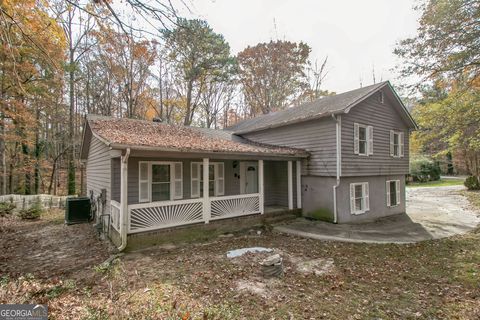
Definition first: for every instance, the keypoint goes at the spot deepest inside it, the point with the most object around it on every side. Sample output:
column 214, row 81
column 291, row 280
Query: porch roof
column 120, row 133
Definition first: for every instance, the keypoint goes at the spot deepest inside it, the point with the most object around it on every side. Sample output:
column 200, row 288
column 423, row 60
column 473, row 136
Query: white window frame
column 397, row 191
column 401, row 143
column 218, row 182
column 173, row 180
column 381, row 97
column 365, row 198
column 368, row 139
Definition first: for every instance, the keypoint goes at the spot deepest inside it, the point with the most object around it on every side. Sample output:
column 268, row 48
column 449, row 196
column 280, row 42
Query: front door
column 249, row 177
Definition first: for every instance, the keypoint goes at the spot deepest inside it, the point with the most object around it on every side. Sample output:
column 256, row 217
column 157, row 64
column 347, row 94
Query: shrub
column 6, row 208
column 472, row 183
column 33, row 212
column 423, row 170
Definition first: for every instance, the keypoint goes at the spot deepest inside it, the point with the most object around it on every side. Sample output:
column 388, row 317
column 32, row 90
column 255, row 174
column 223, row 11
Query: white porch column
column 124, row 214
column 206, row 195
column 290, row 186
column 261, row 191
column 124, row 192
column 299, row 184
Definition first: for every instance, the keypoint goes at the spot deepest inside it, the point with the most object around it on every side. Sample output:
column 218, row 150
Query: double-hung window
column 396, row 144
column 216, row 180
column 363, row 139
column 359, row 199
column 393, row 193
column 160, row 181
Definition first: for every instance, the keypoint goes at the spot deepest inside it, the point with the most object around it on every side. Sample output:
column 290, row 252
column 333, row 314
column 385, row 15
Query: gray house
column 341, row 158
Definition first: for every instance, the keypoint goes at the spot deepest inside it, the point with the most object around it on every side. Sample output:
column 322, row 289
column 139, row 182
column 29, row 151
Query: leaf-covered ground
column 429, row 280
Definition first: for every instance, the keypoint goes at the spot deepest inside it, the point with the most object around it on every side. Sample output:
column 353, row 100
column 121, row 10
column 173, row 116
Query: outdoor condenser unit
column 77, row 210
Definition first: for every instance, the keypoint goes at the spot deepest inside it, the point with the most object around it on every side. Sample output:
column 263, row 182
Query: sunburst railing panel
column 234, row 206
column 152, row 216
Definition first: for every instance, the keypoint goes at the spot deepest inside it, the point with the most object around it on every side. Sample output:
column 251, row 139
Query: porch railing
column 166, row 214
column 234, row 206
column 115, row 214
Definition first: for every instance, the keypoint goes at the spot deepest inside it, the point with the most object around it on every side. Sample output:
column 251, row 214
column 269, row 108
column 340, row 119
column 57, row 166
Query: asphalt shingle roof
column 119, row 132
column 321, row 107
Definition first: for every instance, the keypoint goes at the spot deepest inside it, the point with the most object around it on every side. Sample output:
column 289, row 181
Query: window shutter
column 388, row 194
column 391, row 143
column 352, row 198
column 366, row 197
column 400, row 144
column 355, row 138
column 370, row 140
column 219, row 179
column 397, row 189
column 143, row 182
column 177, row 180
column 195, row 180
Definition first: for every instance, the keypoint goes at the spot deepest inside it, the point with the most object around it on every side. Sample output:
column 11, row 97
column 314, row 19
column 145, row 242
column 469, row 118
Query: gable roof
column 325, row 106
column 121, row 133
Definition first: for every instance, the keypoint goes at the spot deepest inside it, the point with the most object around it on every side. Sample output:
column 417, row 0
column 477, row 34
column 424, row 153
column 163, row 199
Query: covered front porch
column 159, row 190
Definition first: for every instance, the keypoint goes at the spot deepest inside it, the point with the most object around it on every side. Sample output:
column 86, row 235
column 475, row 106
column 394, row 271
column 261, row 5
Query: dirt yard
column 47, row 262
column 48, row 248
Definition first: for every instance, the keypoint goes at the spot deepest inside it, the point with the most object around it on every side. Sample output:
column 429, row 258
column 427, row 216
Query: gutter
column 300, row 154
column 338, row 130
column 123, row 199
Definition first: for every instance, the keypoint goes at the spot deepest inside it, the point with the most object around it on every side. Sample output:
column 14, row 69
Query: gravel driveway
column 432, row 213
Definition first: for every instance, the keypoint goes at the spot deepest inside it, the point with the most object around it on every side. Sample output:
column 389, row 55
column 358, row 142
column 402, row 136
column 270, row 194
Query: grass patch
column 439, row 183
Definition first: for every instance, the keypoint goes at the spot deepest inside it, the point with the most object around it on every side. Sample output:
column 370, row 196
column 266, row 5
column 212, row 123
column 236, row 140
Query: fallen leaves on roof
column 142, row 133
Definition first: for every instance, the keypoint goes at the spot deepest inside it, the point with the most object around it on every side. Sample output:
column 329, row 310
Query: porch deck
column 162, row 215
column 236, row 189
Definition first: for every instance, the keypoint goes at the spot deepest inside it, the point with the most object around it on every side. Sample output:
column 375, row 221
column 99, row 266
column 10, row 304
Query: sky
column 357, row 36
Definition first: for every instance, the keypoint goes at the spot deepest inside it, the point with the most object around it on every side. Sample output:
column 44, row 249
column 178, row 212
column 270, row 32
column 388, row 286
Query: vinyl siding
column 276, row 183
column 98, row 170
column 383, row 118
column 275, row 179
column 377, row 198
column 315, row 136
column 116, row 179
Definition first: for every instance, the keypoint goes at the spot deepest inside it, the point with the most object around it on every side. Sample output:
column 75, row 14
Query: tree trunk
column 3, row 154
column 187, row 121
column 2, row 137
column 71, row 152
column 37, row 153
column 449, row 163
column 160, row 88
column 28, row 177
column 10, row 178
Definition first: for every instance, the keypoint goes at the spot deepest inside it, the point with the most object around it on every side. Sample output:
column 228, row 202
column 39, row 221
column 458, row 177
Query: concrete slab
column 432, row 213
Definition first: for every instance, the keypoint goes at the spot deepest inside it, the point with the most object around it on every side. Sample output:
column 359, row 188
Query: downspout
column 338, row 130
column 123, row 200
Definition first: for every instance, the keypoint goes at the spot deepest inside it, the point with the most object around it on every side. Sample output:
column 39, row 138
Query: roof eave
column 413, row 123
column 286, row 123
column 364, row 97
column 196, row 151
